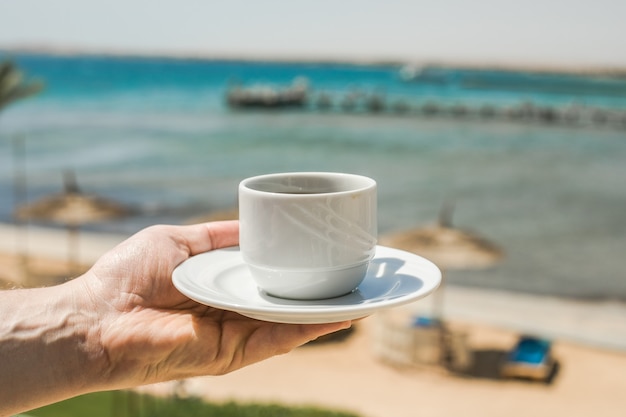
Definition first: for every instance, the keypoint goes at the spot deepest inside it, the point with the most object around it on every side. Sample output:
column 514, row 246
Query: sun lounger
column 530, row 359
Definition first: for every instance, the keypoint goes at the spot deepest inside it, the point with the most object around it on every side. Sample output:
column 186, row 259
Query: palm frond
column 13, row 87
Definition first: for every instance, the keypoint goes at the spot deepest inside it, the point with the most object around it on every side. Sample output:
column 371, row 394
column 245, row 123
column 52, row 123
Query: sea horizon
column 524, row 66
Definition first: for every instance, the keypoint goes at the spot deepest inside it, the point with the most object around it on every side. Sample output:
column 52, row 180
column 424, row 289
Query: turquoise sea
column 544, row 177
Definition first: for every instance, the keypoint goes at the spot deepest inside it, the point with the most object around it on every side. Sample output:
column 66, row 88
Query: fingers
column 292, row 336
column 208, row 236
column 313, row 331
column 271, row 339
column 319, row 330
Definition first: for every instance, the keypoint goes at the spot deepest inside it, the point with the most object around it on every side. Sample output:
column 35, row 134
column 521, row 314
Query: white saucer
column 220, row 279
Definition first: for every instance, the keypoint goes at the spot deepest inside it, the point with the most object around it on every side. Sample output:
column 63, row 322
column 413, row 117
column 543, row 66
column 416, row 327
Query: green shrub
column 132, row 404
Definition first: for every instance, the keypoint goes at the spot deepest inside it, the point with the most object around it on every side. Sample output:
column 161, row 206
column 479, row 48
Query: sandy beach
column 589, row 345
column 347, row 375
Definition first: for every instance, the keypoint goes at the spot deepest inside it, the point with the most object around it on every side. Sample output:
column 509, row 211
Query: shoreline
column 73, row 51
column 600, row 324
column 38, row 241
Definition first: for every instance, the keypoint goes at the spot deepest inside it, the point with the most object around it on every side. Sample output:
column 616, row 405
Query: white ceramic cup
column 308, row 235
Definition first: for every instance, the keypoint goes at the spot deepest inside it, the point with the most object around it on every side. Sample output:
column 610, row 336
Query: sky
column 559, row 33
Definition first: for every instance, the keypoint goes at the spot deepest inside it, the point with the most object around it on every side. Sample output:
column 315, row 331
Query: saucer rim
column 301, row 311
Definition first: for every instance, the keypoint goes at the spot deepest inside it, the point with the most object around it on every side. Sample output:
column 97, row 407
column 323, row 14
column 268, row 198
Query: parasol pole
column 70, row 186
column 438, row 298
column 72, row 249
column 19, row 197
column 444, row 221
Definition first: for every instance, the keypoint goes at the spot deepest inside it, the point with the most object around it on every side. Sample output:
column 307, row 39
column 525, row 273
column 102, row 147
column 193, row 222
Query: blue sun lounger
column 530, row 358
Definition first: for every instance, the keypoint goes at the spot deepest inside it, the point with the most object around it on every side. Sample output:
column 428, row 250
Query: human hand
column 149, row 332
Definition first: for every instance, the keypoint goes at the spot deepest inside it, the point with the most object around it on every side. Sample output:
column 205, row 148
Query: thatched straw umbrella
column 73, row 209
column 448, row 247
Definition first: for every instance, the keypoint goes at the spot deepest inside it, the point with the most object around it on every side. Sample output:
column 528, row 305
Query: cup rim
column 367, row 183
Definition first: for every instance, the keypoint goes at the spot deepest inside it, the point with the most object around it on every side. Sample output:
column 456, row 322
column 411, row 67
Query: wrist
column 86, row 315
column 50, row 349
